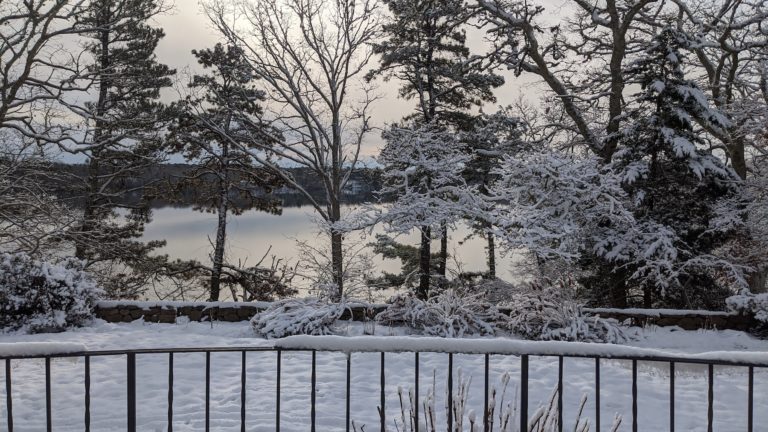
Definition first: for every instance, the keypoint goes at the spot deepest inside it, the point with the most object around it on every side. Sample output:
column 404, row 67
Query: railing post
column 710, row 397
column 278, row 382
column 207, row 391
column 348, row 403
column 450, row 392
column 597, row 394
column 383, row 396
column 750, row 399
column 671, row 396
column 560, row 394
column 313, row 396
column 634, row 396
column 131, row 359
column 87, row 402
column 170, row 392
column 8, row 395
column 48, row 415
column 486, row 377
column 524, row 392
column 242, row 393
column 416, row 392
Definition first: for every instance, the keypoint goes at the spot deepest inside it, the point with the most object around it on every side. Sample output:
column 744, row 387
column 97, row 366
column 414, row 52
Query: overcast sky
column 187, row 28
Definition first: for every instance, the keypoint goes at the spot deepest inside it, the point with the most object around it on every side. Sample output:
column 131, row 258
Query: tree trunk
column 738, row 161
column 619, row 295
column 758, row 280
column 491, row 256
column 337, row 237
column 647, row 298
column 443, row 264
column 92, row 185
column 337, row 264
column 425, row 253
column 221, row 229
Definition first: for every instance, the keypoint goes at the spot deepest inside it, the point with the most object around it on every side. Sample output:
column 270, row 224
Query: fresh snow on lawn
column 108, row 408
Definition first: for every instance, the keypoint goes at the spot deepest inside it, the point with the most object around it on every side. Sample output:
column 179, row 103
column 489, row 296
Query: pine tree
column 491, row 138
column 214, row 128
column 675, row 181
column 124, row 135
column 425, row 48
column 424, row 167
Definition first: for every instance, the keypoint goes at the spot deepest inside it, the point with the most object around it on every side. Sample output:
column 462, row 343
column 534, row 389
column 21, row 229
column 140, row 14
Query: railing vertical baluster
column 487, row 390
column 87, row 403
column 560, row 394
column 597, row 394
column 349, row 392
column 710, row 397
column 131, row 360
column 313, row 389
column 242, row 392
column 751, row 399
column 170, row 392
column 383, row 401
column 278, row 383
column 48, row 416
column 634, row 395
column 416, row 392
column 8, row 395
column 207, row 391
column 671, row 396
column 524, row 392
column 450, row 392
column 452, row 419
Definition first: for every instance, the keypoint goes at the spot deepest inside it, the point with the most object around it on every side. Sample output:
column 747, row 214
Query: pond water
column 189, row 235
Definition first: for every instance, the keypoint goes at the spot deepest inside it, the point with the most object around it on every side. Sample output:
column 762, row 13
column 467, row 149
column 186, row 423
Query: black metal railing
column 131, row 397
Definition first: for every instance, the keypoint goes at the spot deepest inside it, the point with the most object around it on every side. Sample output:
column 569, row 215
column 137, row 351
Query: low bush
column 308, row 316
column 42, row 296
column 750, row 304
column 548, row 311
column 454, row 312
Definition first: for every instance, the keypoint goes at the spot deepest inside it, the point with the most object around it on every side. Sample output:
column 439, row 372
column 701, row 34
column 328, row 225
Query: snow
column 30, row 349
column 506, row 347
column 146, row 305
column 108, row 378
column 656, row 312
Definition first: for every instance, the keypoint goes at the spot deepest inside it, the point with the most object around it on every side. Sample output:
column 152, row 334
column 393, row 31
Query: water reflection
column 189, row 235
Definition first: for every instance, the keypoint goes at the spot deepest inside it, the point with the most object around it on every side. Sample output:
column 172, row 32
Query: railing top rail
column 376, row 344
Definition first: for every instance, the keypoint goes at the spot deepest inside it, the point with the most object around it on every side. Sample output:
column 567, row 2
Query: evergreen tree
column 491, row 138
column 424, row 171
column 124, row 135
column 425, row 48
column 214, row 128
column 675, row 182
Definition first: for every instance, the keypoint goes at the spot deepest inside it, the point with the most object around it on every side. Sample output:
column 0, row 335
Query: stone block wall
column 167, row 312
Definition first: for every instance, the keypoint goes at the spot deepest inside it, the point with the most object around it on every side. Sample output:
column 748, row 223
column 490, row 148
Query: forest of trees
column 634, row 163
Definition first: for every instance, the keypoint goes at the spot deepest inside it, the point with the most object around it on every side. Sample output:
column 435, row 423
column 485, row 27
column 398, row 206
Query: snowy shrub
column 547, row 311
column 454, row 312
column 43, row 296
column 749, row 303
column 309, row 316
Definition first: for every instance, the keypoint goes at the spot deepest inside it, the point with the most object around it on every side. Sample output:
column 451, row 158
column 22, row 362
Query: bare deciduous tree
column 311, row 56
column 732, row 44
column 596, row 37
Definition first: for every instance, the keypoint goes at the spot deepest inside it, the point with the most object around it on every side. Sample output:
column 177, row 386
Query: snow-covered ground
column 109, row 375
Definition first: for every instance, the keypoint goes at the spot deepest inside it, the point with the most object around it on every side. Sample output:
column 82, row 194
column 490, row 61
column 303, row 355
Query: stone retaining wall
column 167, row 312
column 688, row 320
